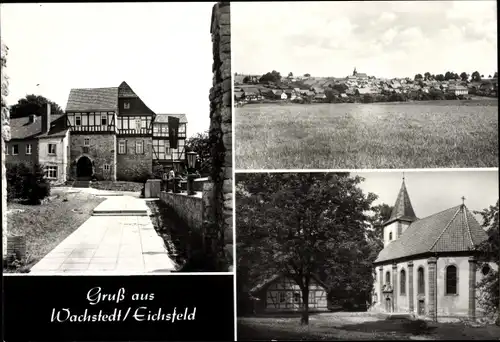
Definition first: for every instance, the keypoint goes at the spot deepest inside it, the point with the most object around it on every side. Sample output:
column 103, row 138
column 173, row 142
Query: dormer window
column 126, row 105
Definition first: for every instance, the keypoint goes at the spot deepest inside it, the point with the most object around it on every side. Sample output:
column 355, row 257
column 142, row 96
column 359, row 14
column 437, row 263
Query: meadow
column 435, row 134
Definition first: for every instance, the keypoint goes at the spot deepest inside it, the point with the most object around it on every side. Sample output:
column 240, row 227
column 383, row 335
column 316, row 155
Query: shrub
column 28, row 183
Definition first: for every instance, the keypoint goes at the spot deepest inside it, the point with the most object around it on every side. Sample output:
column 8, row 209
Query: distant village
column 360, row 88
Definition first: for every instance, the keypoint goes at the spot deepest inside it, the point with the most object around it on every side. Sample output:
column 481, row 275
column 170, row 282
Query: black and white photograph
column 367, row 255
column 114, row 158
column 365, row 85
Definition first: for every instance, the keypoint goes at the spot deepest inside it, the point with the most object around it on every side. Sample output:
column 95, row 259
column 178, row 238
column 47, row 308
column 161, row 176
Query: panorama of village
column 359, row 87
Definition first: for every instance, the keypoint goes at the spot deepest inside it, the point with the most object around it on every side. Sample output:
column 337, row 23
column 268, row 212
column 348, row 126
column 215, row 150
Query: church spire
column 354, row 72
column 403, row 209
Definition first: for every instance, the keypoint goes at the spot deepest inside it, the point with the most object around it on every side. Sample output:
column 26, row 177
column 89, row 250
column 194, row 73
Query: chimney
column 32, row 118
column 46, row 120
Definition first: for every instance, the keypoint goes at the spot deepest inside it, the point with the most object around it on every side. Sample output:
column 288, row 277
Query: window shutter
column 143, row 147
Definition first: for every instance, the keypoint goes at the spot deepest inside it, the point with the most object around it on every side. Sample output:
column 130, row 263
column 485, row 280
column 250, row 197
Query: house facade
column 105, row 133
column 428, row 266
column 281, row 293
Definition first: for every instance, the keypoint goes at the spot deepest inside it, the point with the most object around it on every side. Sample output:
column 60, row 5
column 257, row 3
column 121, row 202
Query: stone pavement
column 118, row 239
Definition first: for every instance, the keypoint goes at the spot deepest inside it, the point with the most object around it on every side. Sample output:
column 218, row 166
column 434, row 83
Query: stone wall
column 129, row 166
column 219, row 225
column 5, row 138
column 102, row 150
column 188, row 208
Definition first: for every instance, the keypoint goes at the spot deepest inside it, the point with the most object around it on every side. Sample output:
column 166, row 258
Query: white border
column 364, row 170
column 114, row 274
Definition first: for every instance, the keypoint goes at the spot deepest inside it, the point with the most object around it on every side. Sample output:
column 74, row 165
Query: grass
column 357, row 326
column 45, row 226
column 357, row 136
column 117, row 186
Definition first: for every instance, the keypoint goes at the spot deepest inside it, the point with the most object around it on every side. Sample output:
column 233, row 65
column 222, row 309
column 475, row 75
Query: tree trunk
column 304, row 319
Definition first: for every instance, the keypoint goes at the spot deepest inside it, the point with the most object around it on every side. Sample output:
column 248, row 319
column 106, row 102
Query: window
column 387, row 277
column 51, row 172
column 485, row 270
column 28, row 149
column 104, row 120
column 122, row 147
column 107, row 167
column 402, row 282
column 78, row 120
column 126, row 105
column 86, row 142
column 421, row 281
column 390, row 236
column 296, row 297
column 451, row 280
column 138, row 124
column 52, row 148
column 15, row 150
column 282, row 297
column 139, row 147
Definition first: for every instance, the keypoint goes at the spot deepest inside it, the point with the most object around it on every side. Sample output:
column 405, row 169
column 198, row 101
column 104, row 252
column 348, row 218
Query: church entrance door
column 388, row 305
column 421, row 307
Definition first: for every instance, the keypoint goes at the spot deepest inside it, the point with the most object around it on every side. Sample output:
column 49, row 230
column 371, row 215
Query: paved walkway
column 118, row 239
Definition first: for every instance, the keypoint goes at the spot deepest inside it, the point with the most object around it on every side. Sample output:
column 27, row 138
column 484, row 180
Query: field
column 357, row 326
column 358, row 136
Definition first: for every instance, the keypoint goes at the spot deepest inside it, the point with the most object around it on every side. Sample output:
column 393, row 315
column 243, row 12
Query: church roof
column 403, row 209
column 451, row 230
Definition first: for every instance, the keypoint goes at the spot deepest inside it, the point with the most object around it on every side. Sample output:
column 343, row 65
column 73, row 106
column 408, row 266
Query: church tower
column 402, row 216
column 354, row 72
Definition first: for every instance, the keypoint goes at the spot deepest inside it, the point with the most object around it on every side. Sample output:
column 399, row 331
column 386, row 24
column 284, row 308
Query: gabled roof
column 451, row 230
column 21, row 128
column 163, row 118
column 402, row 209
column 277, row 276
column 124, row 90
column 92, row 99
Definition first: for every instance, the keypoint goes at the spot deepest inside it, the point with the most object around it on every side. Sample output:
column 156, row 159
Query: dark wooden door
column 421, row 307
column 388, row 306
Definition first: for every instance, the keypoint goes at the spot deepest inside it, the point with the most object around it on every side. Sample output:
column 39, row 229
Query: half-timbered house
column 282, row 293
column 106, row 133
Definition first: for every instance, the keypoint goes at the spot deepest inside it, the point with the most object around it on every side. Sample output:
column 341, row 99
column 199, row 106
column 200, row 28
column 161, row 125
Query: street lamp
column 191, row 160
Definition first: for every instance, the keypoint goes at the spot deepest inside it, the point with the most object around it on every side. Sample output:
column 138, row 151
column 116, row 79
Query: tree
column 476, row 77
column 272, row 76
column 464, row 76
column 496, row 74
column 440, row 77
column 201, row 144
column 490, row 251
column 290, row 74
column 307, row 75
column 33, row 104
column 418, row 77
column 305, row 224
column 246, row 79
column 381, row 214
column 427, row 76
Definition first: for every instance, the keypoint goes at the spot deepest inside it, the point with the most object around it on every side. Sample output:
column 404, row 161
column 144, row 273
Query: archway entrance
column 388, row 304
column 84, row 168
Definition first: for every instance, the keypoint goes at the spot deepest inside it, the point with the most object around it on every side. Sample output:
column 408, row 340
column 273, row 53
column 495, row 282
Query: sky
column 383, row 39
column 162, row 50
column 434, row 191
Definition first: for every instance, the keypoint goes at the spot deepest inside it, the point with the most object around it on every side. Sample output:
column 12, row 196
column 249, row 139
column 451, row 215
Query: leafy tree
column 464, row 76
column 418, row 77
column 290, row 74
column 304, row 224
column 476, row 77
column 440, row 77
column 201, row 144
column 496, row 74
column 272, row 76
column 33, row 104
column 490, row 251
column 489, row 76
column 427, row 76
column 307, row 75
column 246, row 79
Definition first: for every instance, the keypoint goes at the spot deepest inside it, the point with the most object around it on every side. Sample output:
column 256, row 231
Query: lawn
column 46, row 225
column 358, row 136
column 357, row 326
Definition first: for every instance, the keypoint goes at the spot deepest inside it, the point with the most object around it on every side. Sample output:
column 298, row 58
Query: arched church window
column 390, row 236
column 421, row 280
column 402, row 284
column 485, row 270
column 451, row 279
column 387, row 277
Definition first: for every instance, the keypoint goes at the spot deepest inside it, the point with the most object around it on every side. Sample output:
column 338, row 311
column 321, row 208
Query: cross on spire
column 463, row 200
